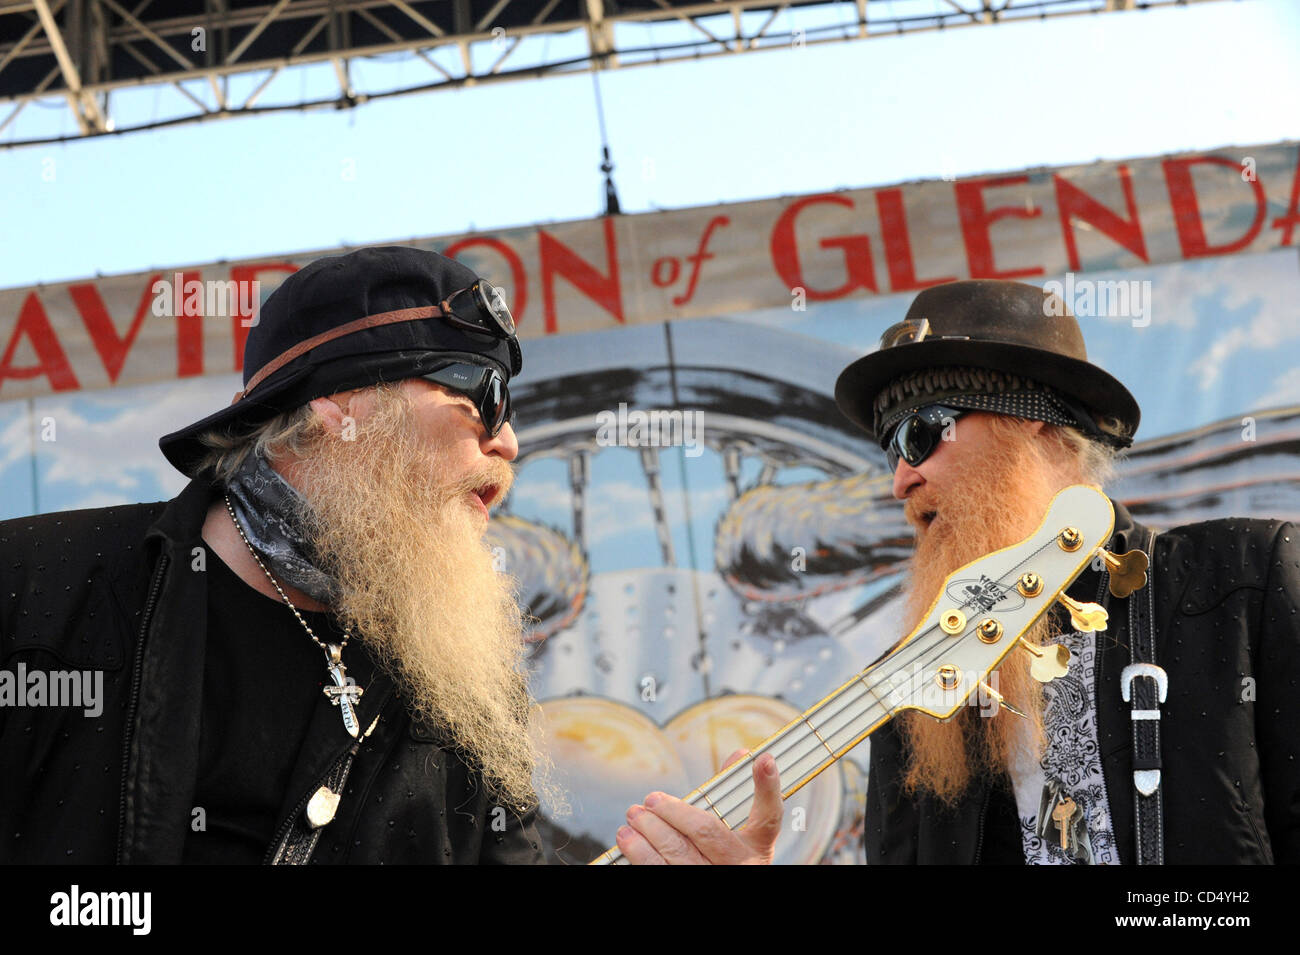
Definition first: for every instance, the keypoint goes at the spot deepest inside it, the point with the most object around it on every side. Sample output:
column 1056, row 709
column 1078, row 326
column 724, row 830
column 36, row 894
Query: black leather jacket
column 113, row 589
column 1227, row 619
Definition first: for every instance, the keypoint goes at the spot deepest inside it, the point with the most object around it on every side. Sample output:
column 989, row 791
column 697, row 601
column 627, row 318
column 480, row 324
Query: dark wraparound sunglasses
column 917, row 435
column 484, row 386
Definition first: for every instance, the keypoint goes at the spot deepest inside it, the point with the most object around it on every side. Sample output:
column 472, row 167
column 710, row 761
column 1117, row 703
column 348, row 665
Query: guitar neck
column 1004, row 592
column 804, row 747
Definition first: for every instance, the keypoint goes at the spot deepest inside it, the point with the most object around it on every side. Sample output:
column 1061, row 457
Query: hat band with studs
column 973, row 389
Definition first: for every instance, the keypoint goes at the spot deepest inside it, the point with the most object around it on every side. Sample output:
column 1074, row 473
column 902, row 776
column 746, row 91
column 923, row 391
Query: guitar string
column 851, row 700
column 800, row 728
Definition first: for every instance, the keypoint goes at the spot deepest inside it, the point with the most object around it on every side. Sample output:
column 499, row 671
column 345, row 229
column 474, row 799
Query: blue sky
column 724, row 129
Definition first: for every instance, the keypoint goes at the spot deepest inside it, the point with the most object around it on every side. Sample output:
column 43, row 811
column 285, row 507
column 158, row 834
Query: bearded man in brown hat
column 1149, row 750
column 308, row 654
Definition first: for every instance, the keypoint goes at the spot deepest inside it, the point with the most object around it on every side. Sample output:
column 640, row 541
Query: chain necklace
column 345, row 692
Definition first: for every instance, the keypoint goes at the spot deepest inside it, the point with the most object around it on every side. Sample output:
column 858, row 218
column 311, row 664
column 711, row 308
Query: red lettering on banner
column 674, row 266
column 518, row 274
column 1292, row 217
column 112, row 348
column 898, row 244
column 557, row 259
column 189, row 327
column 785, row 253
column 242, row 274
column 1187, row 213
column 975, row 222
column 1073, row 203
column 35, row 325
column 701, row 256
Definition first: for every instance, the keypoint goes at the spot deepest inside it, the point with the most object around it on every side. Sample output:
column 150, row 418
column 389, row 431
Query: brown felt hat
column 986, row 337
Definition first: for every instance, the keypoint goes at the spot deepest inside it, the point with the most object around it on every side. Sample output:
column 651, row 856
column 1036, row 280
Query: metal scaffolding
column 222, row 55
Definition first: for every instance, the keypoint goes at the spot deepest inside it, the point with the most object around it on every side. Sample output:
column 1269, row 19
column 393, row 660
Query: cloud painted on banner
column 1260, row 293
column 1195, row 295
column 620, row 507
column 98, row 427
column 15, row 438
column 1284, row 392
column 530, row 495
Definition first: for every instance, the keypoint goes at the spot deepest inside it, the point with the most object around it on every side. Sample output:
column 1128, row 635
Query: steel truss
column 80, row 52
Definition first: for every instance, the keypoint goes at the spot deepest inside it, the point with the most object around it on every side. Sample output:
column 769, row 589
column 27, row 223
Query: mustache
column 493, row 473
column 918, row 505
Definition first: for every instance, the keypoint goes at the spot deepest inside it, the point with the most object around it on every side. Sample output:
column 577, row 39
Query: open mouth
column 927, row 518
column 487, row 495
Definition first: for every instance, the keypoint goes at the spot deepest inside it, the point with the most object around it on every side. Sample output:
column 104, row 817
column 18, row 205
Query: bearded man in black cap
column 309, row 654
column 1174, row 737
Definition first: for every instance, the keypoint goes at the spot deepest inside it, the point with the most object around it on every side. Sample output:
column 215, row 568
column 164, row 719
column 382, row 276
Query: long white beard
column 420, row 588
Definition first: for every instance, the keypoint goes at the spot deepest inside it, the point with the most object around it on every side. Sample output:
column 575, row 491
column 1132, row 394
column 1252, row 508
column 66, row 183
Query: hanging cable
column 607, row 164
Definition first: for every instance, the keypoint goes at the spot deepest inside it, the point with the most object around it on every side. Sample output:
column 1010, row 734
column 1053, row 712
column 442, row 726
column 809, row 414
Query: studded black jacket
column 112, row 590
column 1227, row 621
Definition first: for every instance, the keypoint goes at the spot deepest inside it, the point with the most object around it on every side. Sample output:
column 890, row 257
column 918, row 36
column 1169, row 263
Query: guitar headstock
column 985, row 607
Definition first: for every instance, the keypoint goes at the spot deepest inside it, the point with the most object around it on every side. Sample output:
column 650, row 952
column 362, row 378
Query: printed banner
column 693, row 263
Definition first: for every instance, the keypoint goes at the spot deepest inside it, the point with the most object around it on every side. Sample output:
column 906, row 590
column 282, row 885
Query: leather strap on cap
column 361, row 324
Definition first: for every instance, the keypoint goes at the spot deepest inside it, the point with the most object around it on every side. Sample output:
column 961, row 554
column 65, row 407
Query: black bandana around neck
column 267, row 508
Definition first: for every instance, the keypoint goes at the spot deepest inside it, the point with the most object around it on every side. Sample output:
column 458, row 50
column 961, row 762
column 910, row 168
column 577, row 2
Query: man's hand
column 667, row 831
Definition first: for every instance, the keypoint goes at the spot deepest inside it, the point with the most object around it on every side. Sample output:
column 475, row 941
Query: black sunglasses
column 486, row 387
column 480, row 308
column 918, row 434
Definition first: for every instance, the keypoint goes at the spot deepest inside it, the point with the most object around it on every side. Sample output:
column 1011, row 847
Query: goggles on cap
column 480, row 308
column 484, row 386
column 912, row 330
column 918, row 434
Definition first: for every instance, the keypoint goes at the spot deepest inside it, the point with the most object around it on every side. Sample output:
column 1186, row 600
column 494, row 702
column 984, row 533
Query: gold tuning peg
column 1000, row 701
column 1128, row 572
column 1085, row 616
column 1049, row 662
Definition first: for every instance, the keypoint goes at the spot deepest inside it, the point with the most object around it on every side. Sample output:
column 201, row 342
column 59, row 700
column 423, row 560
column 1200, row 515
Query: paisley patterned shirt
column 1070, row 771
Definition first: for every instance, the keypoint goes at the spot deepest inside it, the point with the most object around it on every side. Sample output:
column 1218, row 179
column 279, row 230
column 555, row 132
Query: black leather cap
column 344, row 322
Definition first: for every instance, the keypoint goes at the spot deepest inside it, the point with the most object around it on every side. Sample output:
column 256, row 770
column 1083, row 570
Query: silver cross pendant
column 345, row 692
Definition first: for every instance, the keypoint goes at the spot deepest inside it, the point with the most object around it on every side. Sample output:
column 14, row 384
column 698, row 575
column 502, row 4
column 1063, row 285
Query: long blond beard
column 997, row 504
column 418, row 585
